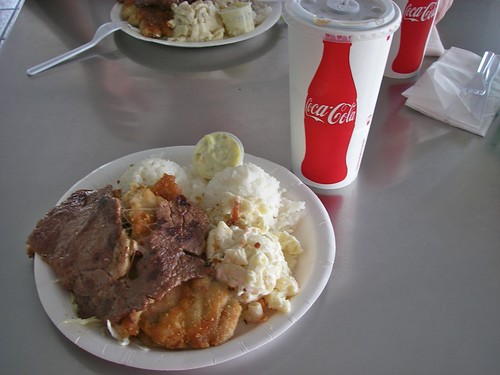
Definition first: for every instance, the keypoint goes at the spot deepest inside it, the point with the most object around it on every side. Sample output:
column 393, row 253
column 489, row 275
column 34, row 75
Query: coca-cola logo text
column 420, row 13
column 340, row 114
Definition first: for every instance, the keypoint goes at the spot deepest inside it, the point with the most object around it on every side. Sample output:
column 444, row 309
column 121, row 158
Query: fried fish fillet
column 150, row 20
column 197, row 314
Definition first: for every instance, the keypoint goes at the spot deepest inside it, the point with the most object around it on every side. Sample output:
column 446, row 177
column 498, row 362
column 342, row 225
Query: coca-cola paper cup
column 408, row 47
column 337, row 54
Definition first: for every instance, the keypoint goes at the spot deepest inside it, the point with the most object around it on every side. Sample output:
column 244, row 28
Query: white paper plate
column 313, row 270
column 270, row 20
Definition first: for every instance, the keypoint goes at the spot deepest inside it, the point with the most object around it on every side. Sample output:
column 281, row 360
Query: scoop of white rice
column 197, row 184
column 290, row 213
column 148, row 171
column 247, row 181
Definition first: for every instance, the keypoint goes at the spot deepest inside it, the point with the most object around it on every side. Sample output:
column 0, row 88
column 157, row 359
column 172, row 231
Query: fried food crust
column 197, row 314
column 150, row 20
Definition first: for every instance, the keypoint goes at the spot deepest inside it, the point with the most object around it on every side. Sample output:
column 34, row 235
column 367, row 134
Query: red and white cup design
column 408, row 48
column 335, row 78
column 329, row 115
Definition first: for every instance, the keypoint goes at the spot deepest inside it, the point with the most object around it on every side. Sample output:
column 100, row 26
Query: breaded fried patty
column 197, row 314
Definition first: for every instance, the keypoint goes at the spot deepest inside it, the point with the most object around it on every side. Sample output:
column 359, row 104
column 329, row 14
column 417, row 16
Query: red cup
column 337, row 55
column 408, row 48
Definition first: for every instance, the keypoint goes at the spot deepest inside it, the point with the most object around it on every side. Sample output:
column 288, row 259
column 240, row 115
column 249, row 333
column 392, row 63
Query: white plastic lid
column 349, row 15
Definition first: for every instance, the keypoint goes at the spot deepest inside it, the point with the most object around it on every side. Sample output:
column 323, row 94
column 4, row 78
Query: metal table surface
column 416, row 280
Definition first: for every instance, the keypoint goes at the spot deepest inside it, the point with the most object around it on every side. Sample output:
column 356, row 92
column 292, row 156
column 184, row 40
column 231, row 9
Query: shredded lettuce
column 92, row 321
column 116, row 336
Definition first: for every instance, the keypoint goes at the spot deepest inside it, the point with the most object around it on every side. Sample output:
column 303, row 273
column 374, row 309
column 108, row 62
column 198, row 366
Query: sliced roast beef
column 79, row 235
column 110, row 275
column 185, row 223
column 158, row 268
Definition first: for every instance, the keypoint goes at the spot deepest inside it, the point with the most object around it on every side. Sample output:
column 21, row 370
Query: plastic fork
column 479, row 84
column 102, row 32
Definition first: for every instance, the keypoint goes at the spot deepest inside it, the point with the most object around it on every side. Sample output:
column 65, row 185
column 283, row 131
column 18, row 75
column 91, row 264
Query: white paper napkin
column 434, row 45
column 439, row 93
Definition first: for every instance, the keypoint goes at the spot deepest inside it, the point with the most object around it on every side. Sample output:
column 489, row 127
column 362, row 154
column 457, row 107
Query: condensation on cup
column 408, row 48
column 337, row 55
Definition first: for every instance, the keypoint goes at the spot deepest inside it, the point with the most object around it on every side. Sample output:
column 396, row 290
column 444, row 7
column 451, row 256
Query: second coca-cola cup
column 408, row 48
column 337, row 54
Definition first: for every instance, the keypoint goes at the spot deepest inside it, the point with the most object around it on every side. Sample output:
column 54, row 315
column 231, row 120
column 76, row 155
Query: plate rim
column 271, row 19
column 176, row 360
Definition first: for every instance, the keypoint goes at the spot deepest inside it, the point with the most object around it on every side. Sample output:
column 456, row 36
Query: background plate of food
column 223, row 22
column 312, row 272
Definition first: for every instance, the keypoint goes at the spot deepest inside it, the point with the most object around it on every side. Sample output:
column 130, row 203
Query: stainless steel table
column 415, row 287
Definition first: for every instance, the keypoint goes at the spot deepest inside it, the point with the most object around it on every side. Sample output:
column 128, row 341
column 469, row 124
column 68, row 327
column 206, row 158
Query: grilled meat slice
column 155, row 272
column 170, row 256
column 185, row 223
column 82, row 234
column 111, row 276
